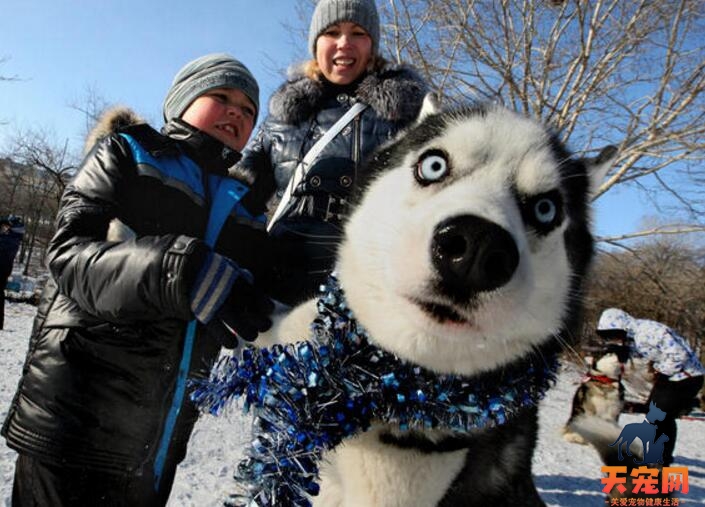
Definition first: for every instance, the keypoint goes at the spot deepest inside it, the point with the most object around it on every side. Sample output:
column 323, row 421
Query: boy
column 101, row 415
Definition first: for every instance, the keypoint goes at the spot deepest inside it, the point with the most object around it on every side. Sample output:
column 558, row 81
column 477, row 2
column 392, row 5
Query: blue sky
column 127, row 51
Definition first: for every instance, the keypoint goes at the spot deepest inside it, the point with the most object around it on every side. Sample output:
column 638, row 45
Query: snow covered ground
column 567, row 475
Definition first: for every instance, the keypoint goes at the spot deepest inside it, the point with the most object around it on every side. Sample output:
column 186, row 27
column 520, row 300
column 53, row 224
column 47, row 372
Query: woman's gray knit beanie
column 329, row 12
column 216, row 70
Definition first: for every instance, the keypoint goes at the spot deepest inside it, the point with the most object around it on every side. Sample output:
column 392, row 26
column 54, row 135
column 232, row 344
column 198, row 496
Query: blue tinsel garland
column 309, row 396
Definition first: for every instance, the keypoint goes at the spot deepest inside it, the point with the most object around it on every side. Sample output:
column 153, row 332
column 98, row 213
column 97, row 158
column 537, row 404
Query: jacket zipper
column 356, row 144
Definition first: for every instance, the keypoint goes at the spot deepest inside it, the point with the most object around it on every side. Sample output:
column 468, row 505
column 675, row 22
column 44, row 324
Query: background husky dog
column 594, row 417
column 465, row 253
column 600, row 394
column 600, row 433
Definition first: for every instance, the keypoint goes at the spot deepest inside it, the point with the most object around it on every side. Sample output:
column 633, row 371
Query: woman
column 346, row 69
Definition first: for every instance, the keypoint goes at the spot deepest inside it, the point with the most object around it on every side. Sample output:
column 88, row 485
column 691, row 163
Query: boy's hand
column 225, row 299
column 245, row 313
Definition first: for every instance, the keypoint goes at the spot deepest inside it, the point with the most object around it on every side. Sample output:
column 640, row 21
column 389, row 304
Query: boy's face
column 224, row 113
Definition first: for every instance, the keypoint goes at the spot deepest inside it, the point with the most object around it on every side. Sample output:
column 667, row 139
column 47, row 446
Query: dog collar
column 602, row 379
column 311, row 395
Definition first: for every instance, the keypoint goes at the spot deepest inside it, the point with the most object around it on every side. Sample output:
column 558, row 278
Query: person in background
column 345, row 73
column 11, row 233
column 678, row 372
column 102, row 415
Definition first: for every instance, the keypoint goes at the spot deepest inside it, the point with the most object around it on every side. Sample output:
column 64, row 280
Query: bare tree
column 33, row 175
column 92, row 105
column 37, row 150
column 41, row 168
column 624, row 72
column 10, row 184
column 660, row 278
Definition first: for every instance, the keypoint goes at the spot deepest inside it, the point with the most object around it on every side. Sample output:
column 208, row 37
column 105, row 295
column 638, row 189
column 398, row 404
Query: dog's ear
column 599, row 166
column 430, row 106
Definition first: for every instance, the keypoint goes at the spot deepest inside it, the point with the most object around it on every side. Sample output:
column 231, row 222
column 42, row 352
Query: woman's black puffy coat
column 107, row 341
column 300, row 112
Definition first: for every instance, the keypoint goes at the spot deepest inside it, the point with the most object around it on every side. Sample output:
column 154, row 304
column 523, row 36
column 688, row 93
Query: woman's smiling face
column 343, row 51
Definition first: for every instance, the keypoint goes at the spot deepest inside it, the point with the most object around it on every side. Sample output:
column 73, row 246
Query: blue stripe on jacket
column 183, row 173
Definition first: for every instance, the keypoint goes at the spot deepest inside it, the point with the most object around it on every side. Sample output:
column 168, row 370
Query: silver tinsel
column 308, row 396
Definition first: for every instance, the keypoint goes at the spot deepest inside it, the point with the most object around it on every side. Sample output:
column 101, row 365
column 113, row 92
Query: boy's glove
column 225, row 299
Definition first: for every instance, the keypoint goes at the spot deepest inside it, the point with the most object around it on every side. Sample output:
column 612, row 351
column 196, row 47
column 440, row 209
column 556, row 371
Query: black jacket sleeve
column 119, row 281
column 256, row 155
column 257, row 162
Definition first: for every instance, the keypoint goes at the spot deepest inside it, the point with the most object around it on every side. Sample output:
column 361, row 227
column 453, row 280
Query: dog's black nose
column 472, row 255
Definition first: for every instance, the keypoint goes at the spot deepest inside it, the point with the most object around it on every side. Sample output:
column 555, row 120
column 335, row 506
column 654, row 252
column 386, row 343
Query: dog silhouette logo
column 655, row 452
column 645, row 431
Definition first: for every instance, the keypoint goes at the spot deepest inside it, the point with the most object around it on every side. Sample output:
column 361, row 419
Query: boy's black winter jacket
column 107, row 340
column 300, row 112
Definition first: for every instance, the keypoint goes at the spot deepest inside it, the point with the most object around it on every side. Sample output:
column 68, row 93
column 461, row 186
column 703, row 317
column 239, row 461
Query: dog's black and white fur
column 466, row 251
column 600, row 394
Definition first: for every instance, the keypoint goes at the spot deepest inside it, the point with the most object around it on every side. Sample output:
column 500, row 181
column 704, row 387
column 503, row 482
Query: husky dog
column 600, row 394
column 608, row 439
column 615, row 383
column 465, row 252
column 600, row 433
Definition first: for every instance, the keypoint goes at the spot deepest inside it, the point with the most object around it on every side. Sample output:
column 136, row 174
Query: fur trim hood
column 394, row 92
column 112, row 120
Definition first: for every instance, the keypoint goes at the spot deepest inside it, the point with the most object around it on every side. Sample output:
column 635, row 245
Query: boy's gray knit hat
column 216, row 70
column 329, row 12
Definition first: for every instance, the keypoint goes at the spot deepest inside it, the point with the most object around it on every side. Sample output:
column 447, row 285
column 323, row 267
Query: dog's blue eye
column 431, row 167
column 545, row 210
